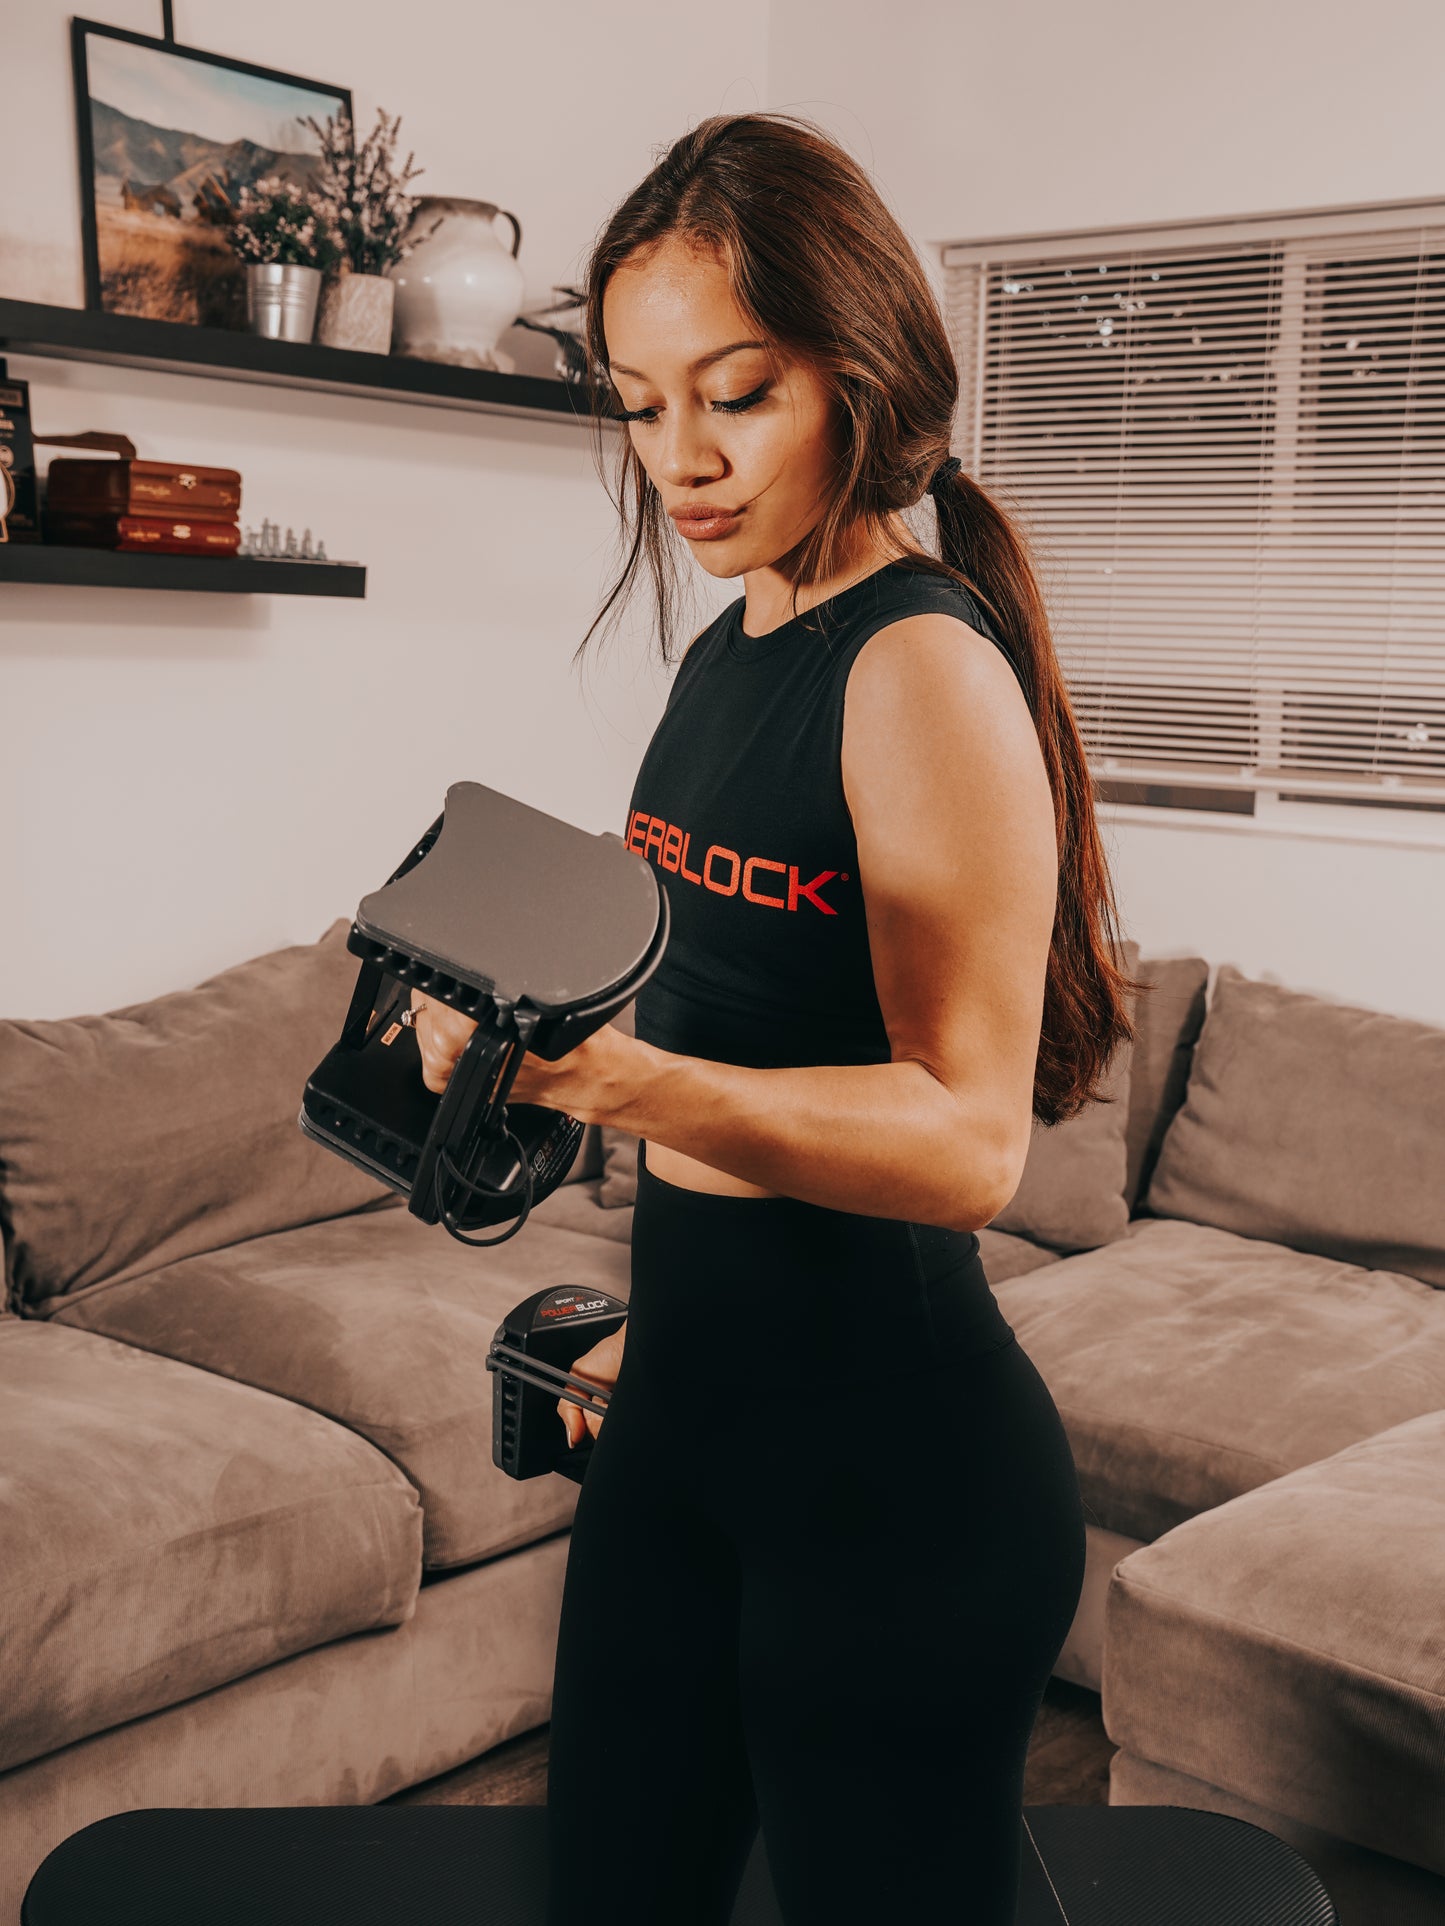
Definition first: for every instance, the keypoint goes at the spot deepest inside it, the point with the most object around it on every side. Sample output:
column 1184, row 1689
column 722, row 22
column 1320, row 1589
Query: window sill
column 1291, row 822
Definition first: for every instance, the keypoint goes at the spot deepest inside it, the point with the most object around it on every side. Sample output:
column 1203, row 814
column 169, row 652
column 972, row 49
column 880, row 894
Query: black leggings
column 827, row 1550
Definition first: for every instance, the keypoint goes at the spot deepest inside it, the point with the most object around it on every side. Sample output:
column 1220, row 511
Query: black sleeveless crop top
column 739, row 804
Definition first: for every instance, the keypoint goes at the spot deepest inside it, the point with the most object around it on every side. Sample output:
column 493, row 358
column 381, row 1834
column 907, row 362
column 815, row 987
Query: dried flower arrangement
column 570, row 335
column 367, row 192
column 277, row 221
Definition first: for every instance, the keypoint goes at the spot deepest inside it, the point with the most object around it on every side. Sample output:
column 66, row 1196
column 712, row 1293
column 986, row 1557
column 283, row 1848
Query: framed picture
column 168, row 137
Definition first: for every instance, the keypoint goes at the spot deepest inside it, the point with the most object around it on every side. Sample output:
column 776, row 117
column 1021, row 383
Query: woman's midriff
column 812, row 1294
column 688, row 1174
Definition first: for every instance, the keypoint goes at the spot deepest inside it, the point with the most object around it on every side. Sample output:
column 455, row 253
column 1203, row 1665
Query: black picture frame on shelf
column 152, row 195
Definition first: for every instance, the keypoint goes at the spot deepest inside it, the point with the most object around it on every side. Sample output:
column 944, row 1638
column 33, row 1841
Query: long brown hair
column 820, row 267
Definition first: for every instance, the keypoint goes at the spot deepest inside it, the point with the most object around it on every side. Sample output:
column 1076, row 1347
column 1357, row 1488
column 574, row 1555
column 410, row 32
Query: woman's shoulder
column 921, row 591
column 928, row 589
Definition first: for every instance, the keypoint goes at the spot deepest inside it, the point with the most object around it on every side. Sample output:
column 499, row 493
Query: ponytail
column 1085, row 1017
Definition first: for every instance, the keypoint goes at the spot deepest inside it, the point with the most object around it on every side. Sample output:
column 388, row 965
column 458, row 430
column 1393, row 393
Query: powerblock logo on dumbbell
column 647, row 834
column 567, row 1304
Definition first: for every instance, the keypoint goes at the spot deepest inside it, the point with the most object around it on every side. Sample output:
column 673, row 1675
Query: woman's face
column 673, row 333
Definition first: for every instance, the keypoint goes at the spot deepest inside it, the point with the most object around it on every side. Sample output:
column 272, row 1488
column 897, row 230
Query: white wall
column 188, row 780
column 1040, row 116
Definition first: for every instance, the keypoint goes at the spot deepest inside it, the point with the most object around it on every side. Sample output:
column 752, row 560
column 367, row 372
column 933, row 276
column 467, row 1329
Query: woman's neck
column 769, row 591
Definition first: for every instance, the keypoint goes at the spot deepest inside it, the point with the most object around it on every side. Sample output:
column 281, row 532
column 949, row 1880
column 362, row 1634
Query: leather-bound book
column 77, row 485
column 160, row 534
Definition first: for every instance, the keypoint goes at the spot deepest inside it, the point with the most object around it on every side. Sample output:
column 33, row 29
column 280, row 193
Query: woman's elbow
column 986, row 1185
column 981, row 1146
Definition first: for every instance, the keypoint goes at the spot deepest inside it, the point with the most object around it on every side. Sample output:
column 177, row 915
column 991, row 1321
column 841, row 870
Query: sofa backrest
column 1314, row 1123
column 1167, row 1023
column 132, row 1139
column 1082, row 1177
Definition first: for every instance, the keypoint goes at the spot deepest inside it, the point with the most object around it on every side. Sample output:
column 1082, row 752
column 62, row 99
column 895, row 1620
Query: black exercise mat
column 485, row 1866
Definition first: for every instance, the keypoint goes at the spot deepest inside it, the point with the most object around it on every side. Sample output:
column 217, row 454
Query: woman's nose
column 687, row 459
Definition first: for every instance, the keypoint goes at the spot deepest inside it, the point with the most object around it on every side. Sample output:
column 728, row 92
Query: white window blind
column 1227, row 445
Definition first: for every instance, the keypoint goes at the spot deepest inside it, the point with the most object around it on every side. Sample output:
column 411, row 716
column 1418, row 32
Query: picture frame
column 154, row 191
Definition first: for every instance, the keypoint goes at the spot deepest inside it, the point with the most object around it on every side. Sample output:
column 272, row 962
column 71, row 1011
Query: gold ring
column 410, row 1015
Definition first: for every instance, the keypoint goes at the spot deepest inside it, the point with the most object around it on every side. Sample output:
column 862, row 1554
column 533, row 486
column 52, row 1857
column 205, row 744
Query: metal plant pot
column 281, row 299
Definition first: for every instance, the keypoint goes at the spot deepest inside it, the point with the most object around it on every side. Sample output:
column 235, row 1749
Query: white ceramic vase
column 355, row 312
column 460, row 287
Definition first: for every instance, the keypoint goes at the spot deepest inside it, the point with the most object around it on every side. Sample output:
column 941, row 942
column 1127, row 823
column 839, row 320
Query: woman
column 830, row 1540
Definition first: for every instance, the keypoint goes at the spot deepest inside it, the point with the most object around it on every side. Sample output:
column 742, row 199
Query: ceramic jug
column 460, row 286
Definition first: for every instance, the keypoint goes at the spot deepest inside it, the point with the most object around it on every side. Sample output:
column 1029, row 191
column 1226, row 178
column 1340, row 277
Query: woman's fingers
column 573, row 1424
column 442, row 1034
column 600, row 1366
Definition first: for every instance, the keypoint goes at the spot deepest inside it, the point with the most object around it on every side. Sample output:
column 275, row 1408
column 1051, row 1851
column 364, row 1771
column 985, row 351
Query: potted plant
column 284, row 234
column 373, row 212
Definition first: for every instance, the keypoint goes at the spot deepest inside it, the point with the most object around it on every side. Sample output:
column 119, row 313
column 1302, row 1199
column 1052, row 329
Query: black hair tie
column 945, row 471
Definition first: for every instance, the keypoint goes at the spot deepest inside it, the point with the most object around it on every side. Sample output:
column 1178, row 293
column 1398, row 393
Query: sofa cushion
column 383, row 1323
column 1167, row 1022
column 618, row 1189
column 1190, row 1365
column 1071, row 1194
column 165, row 1531
column 588, row 1161
column 1006, row 1256
column 1286, row 1646
column 132, row 1139
column 578, row 1207
column 1312, row 1123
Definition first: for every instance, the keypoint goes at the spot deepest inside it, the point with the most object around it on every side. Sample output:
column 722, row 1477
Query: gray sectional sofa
column 254, row 1551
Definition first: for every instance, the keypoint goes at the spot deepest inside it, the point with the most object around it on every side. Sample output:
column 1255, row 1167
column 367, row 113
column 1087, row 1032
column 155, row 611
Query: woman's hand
column 442, row 1034
column 586, row 1083
column 601, row 1364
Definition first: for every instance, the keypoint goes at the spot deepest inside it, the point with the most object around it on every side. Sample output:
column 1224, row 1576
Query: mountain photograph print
column 168, row 138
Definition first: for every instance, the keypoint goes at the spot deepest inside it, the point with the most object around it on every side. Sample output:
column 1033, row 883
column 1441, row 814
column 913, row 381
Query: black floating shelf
column 223, row 574
column 128, row 341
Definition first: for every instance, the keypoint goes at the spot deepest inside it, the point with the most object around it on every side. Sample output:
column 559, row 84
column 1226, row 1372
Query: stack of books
column 159, row 506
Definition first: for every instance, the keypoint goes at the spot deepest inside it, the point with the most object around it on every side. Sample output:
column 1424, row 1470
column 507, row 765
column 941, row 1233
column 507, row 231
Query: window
column 1227, row 444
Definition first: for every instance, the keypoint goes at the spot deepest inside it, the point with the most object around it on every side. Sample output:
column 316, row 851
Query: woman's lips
column 705, row 528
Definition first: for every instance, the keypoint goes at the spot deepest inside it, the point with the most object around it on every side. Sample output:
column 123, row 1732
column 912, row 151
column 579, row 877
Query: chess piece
column 291, row 549
column 320, row 555
column 306, row 550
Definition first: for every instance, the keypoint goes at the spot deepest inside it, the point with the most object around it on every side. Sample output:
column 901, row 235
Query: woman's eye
column 743, row 402
column 649, row 415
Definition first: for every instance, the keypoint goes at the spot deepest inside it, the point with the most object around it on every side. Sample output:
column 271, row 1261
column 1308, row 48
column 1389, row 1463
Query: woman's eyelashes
column 737, row 407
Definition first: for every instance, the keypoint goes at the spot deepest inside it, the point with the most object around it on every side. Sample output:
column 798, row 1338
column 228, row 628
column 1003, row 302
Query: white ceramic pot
column 355, row 312
column 281, row 299
column 460, row 287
